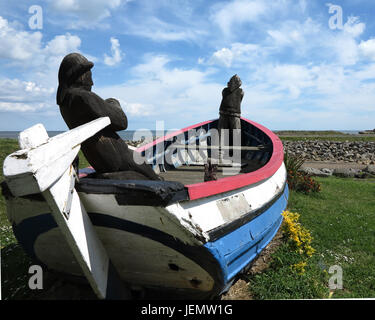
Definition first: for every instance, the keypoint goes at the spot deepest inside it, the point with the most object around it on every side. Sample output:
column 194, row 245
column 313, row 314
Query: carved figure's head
column 73, row 68
column 75, row 71
column 234, row 83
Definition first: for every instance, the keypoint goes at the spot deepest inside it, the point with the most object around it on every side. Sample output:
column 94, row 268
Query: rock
column 316, row 172
column 346, row 172
column 355, row 151
column 370, row 169
column 328, row 171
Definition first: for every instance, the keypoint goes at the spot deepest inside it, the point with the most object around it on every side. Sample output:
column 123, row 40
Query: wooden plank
column 34, row 169
column 46, row 167
column 79, row 233
column 205, row 147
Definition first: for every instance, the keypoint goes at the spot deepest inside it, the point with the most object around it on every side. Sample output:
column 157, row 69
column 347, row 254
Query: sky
column 304, row 64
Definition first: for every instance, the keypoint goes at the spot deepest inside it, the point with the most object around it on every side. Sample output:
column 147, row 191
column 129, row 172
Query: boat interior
column 182, row 156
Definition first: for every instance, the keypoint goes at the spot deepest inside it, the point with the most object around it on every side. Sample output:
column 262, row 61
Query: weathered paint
column 189, row 245
column 42, row 165
column 237, row 249
column 144, row 244
column 210, row 188
column 210, row 213
column 33, row 170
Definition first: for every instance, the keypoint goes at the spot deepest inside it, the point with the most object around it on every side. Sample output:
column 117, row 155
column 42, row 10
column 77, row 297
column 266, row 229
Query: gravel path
column 333, row 165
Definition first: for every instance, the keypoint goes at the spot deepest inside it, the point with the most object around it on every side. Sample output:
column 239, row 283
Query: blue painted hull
column 236, row 250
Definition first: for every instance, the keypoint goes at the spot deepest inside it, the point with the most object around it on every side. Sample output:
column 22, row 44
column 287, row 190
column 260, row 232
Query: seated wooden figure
column 106, row 151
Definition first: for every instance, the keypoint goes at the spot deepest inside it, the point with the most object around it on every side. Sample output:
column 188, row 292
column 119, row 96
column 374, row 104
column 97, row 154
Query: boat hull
column 163, row 248
column 192, row 240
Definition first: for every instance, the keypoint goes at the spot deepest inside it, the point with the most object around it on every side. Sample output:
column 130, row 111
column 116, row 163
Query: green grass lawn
column 341, row 220
column 344, row 138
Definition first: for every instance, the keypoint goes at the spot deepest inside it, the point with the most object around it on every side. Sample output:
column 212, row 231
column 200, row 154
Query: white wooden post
column 45, row 166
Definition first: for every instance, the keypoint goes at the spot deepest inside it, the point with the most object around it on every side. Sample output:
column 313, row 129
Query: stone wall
column 348, row 151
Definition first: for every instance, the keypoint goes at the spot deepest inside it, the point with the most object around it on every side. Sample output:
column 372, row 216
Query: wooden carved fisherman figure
column 210, row 171
column 230, row 108
column 106, row 151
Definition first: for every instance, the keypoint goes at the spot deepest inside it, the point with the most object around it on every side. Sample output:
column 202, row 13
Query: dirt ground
column 333, row 165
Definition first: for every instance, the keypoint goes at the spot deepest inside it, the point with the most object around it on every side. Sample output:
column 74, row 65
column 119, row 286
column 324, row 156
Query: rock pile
column 368, row 172
column 362, row 152
column 139, row 143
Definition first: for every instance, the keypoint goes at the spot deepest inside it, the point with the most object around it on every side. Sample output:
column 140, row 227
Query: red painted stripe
column 210, row 188
column 83, row 174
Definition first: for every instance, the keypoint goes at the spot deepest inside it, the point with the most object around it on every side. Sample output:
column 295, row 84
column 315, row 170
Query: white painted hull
column 142, row 259
column 189, row 239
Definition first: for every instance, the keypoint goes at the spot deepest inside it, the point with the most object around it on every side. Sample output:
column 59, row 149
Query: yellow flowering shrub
column 299, row 235
column 300, row 238
column 299, row 267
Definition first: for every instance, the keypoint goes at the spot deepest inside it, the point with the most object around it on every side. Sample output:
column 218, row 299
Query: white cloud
column 223, row 56
column 21, row 96
column 237, row 12
column 176, row 95
column 312, row 40
column 367, row 48
column 353, row 27
column 80, row 14
column 25, row 48
column 17, row 44
column 300, row 37
column 238, row 53
column 161, row 31
column 37, row 62
column 62, row 44
column 117, row 54
column 137, row 109
column 291, row 78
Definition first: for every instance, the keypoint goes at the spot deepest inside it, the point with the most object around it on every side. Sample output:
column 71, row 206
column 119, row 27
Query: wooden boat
column 181, row 235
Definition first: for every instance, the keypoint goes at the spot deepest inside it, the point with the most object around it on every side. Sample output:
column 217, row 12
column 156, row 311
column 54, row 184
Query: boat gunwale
column 209, row 188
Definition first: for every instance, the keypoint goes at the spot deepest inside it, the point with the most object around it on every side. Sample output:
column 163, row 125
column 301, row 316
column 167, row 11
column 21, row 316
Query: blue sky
column 168, row 60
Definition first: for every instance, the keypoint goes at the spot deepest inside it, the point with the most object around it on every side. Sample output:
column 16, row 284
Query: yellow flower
column 299, row 267
column 299, row 235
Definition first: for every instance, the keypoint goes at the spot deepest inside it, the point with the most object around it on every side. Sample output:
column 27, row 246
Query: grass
column 325, row 138
column 309, row 132
column 341, row 220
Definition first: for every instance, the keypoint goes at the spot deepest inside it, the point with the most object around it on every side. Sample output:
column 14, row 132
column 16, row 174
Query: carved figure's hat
column 71, row 68
column 236, row 81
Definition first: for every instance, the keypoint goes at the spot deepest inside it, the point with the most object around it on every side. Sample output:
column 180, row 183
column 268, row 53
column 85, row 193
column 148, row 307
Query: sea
column 127, row 134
